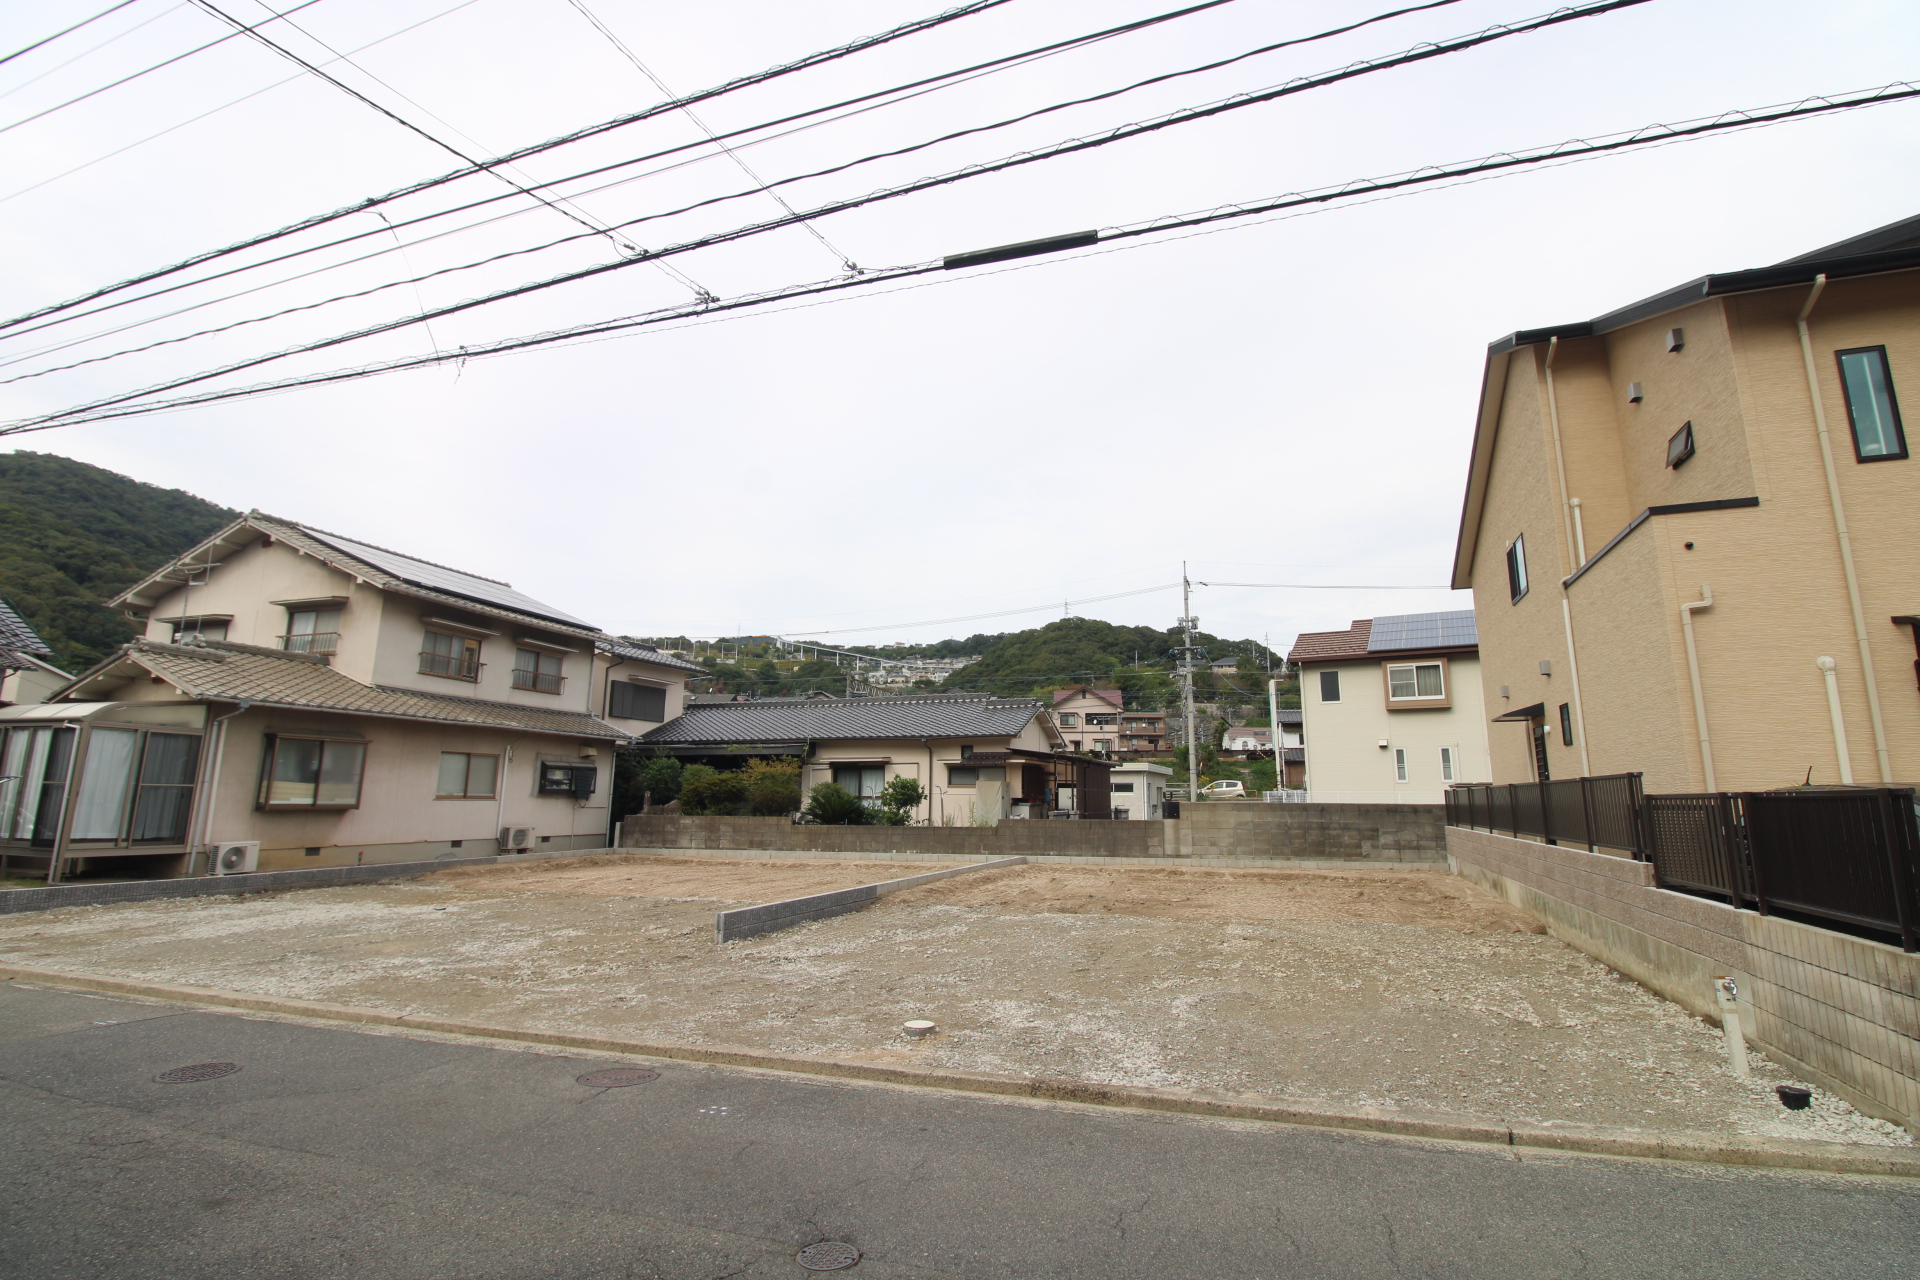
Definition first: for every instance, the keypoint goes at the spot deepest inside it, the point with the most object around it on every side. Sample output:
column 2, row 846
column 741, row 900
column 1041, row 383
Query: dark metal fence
column 1849, row 855
column 1595, row 812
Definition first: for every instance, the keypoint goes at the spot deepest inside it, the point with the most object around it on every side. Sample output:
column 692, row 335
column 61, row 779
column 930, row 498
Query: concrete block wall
column 1840, row 1011
column 1392, row 834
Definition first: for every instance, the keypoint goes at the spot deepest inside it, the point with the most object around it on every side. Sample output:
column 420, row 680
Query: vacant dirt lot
column 1374, row 988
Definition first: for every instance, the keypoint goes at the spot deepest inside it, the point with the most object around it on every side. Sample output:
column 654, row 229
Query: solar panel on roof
column 451, row 581
column 1454, row 629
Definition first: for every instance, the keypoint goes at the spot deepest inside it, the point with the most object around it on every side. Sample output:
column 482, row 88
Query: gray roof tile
column 797, row 720
column 16, row 635
column 633, row 651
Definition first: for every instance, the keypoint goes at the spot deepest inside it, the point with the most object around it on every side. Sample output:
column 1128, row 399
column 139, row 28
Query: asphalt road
column 340, row 1153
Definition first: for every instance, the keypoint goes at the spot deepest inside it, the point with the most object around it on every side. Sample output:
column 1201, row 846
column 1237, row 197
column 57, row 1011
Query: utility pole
column 1187, row 624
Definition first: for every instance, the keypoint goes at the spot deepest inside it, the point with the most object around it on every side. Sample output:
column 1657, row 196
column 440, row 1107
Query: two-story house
column 335, row 702
column 1391, row 708
column 1089, row 718
column 1692, row 531
column 26, row 675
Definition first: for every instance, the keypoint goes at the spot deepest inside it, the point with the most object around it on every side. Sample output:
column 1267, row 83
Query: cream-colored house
column 335, row 702
column 1692, row 531
column 1140, row 790
column 25, row 673
column 1089, row 719
column 978, row 759
column 1391, row 709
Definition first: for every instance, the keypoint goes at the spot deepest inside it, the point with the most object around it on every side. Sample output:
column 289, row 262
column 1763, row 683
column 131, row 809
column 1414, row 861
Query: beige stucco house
column 335, row 702
column 1089, row 719
column 979, row 759
column 1692, row 531
column 1391, row 709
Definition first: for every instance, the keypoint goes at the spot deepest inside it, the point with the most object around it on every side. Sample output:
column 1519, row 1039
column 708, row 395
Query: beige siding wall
column 1343, row 738
column 245, row 583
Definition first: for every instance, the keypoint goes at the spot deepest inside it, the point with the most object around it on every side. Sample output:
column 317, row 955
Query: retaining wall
column 1842, row 1012
column 1325, row 832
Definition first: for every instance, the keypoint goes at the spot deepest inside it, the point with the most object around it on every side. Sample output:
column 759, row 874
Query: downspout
column 213, row 780
column 928, row 744
column 1576, row 545
column 1828, row 668
column 1573, row 672
column 1844, row 537
column 1693, row 672
column 1579, row 534
column 1559, row 458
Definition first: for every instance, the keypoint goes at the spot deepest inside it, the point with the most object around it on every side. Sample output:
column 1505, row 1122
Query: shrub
column 835, row 806
column 659, row 778
column 772, row 785
column 708, row 791
column 898, row 798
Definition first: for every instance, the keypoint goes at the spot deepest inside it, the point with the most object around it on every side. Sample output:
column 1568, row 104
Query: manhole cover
column 199, row 1071
column 617, row 1077
column 828, row 1255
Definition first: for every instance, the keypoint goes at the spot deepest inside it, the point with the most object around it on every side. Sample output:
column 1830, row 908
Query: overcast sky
column 1287, row 402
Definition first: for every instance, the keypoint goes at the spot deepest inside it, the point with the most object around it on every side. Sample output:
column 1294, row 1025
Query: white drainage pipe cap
column 919, row 1027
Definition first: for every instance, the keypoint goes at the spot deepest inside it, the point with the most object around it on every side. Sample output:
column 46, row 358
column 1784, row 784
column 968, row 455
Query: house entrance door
column 1539, row 731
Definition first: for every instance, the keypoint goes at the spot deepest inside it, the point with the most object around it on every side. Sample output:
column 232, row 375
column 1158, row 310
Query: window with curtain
column 106, row 783
column 313, row 631
column 467, row 776
column 1415, row 680
column 1871, row 408
column 312, row 773
column 537, row 671
column 629, row 701
column 205, row 628
column 455, row 657
column 864, row 780
column 166, row 788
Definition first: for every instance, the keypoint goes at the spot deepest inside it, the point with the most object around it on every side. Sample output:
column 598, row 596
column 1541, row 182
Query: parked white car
column 1225, row 789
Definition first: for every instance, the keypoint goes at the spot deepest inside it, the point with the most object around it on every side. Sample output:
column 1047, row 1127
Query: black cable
column 942, row 80
column 1567, row 151
column 69, row 31
column 94, row 93
column 761, row 187
column 802, row 64
column 1417, row 54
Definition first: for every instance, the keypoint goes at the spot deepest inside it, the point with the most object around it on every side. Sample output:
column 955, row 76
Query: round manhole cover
column 828, row 1255
column 199, row 1071
column 617, row 1077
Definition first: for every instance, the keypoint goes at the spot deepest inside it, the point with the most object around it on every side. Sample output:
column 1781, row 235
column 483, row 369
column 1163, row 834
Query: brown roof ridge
column 234, row 646
column 327, row 533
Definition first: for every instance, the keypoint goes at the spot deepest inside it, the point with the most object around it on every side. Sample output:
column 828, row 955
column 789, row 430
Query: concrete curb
column 1759, row 1153
column 1172, row 861
column 770, row 917
column 97, row 894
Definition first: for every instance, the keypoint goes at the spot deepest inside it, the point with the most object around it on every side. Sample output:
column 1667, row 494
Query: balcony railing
column 538, row 681
column 454, row 668
column 312, row 642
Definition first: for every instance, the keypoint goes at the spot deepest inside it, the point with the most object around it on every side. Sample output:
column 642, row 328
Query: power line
column 69, row 31
column 794, row 215
column 801, row 64
column 1657, row 134
column 1419, row 53
column 94, row 93
column 897, row 93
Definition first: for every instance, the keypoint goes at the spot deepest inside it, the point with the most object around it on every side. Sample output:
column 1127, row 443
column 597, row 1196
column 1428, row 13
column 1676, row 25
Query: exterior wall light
column 1383, row 744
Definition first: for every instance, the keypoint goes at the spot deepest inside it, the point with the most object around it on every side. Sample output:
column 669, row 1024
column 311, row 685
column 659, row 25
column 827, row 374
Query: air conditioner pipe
column 1829, row 670
column 1693, row 672
column 213, row 781
column 1844, row 536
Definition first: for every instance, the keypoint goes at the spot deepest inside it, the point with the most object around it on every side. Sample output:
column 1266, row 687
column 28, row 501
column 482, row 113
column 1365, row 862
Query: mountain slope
column 73, row 535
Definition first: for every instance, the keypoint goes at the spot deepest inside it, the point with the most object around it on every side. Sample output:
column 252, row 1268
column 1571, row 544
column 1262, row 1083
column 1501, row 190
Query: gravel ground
column 1410, row 989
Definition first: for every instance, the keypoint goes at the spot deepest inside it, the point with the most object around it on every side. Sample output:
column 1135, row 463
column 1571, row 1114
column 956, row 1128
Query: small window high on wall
column 1517, row 568
column 1329, row 686
column 1871, row 408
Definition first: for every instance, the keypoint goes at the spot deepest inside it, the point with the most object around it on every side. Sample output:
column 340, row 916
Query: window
column 1329, row 686
column 165, row 792
column 205, row 628
column 537, row 671
column 465, row 776
column 863, row 780
column 1123, row 788
column 311, row 773
column 1446, row 764
column 1399, row 764
column 1871, row 408
column 1415, row 680
column 312, row 631
column 1517, row 568
column 1103, row 745
column 629, row 701
column 34, row 764
column 1096, row 721
column 1068, row 720
column 1566, row 725
column 455, row 657
column 972, row 775
column 1680, row 445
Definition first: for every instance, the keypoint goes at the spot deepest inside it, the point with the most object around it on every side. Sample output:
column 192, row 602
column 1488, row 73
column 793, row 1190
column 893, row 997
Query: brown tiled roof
column 1113, row 696
column 1325, row 646
column 223, row 671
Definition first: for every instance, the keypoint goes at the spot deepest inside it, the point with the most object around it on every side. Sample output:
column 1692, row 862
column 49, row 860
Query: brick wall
column 1347, row 832
column 1842, row 1012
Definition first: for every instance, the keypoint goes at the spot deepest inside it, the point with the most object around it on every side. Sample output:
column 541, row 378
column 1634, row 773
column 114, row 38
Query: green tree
column 900, row 797
column 772, row 785
column 835, row 806
column 707, row 791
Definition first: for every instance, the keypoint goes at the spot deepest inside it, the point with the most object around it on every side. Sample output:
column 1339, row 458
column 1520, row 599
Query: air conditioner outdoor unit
column 515, row 838
column 235, row 857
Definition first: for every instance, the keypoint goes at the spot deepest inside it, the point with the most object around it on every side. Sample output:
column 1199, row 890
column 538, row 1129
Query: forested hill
column 74, row 535
column 1075, row 650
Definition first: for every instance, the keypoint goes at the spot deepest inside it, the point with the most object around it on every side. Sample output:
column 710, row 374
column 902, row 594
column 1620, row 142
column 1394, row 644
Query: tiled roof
column 800, row 720
column 222, row 671
column 1113, row 696
column 1294, row 755
column 633, row 651
column 1289, row 717
column 483, row 598
column 16, row 637
column 1322, row 646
